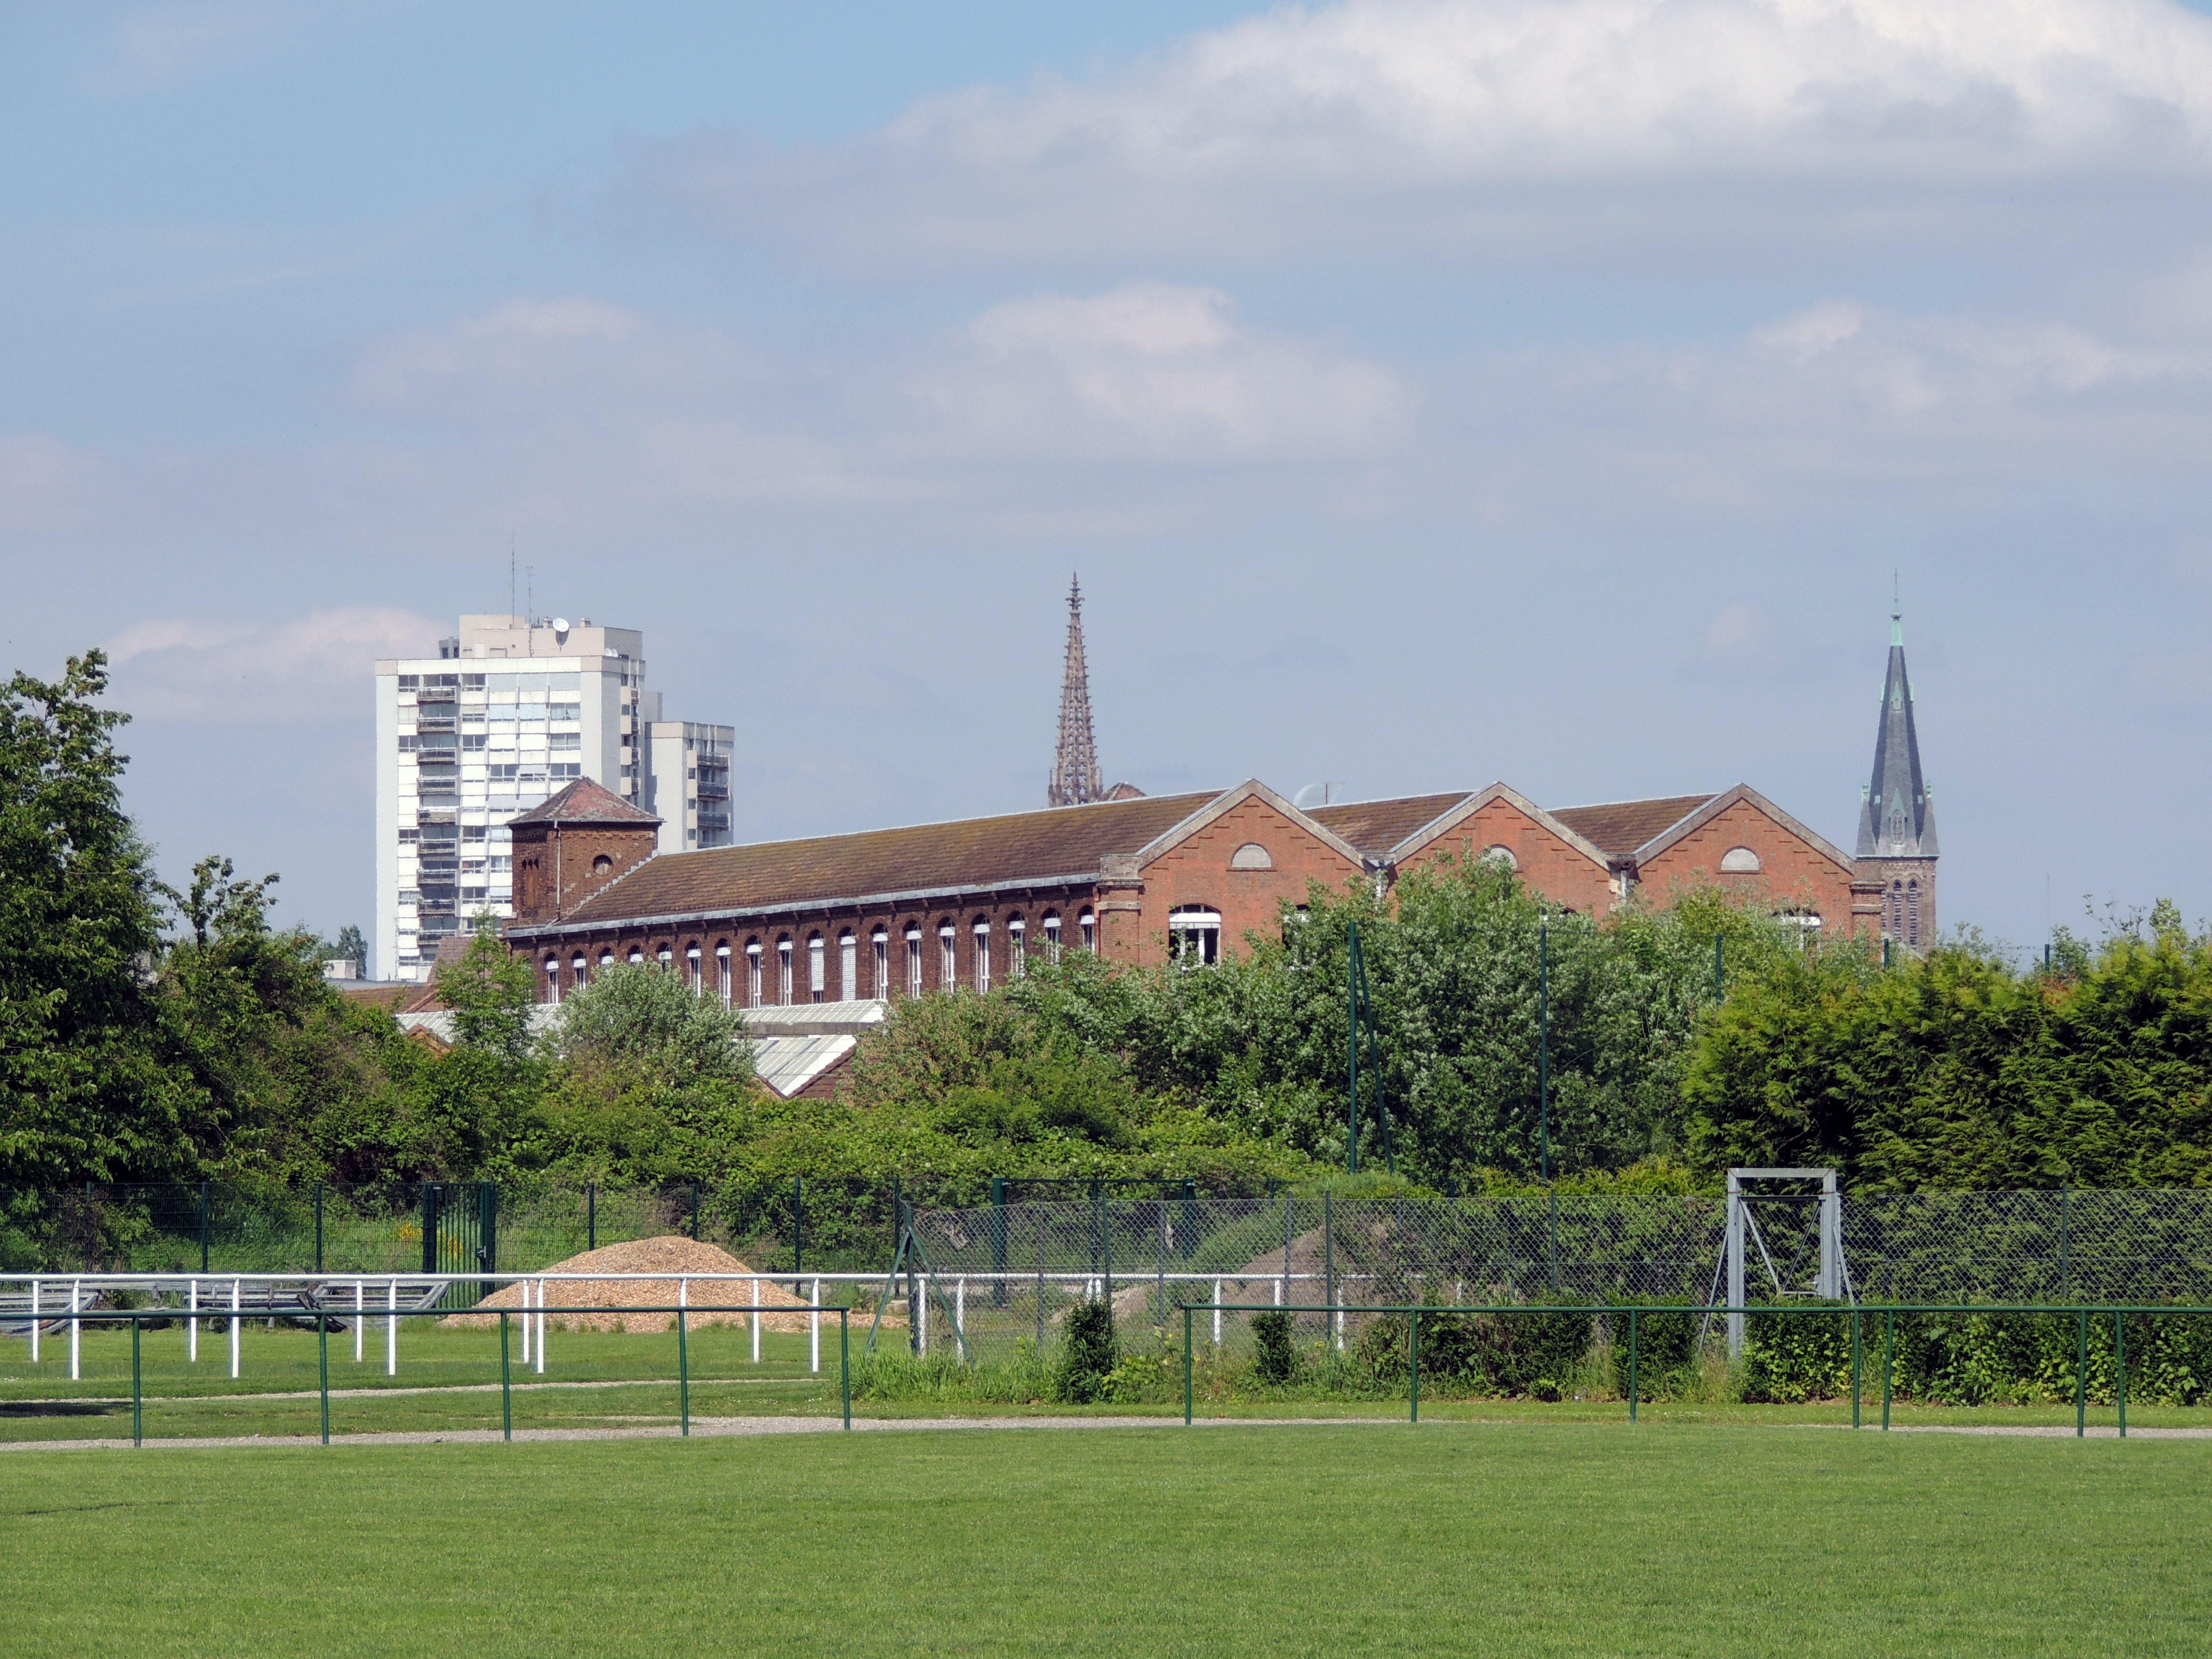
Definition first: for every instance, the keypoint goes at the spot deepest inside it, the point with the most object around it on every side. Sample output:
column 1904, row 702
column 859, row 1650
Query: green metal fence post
column 1888, row 1361
column 1328, row 1261
column 322, row 1369
column 1554, row 1237
column 506, row 1384
column 138, row 1394
column 2081, row 1380
column 1413, row 1366
column 429, row 1227
column 999, row 1241
column 1856, row 1319
column 2120, row 1368
column 1632, row 1365
column 1186, row 1364
column 1544, row 1050
column 319, row 1226
column 845, row 1360
column 683, row 1371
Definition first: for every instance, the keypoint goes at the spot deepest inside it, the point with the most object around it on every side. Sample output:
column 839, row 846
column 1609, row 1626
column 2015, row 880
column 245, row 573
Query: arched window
column 948, row 956
column 1017, row 958
column 1501, row 855
column 1089, row 926
column 691, row 967
column 637, row 956
column 606, row 960
column 722, row 970
column 848, row 967
column 814, row 977
column 1897, row 824
column 1194, row 935
column 1052, row 936
column 1912, row 913
column 982, row 963
column 783, row 971
column 578, row 972
column 914, row 959
column 664, row 956
column 1741, row 861
column 881, row 938
column 1251, row 856
column 553, row 979
column 752, row 973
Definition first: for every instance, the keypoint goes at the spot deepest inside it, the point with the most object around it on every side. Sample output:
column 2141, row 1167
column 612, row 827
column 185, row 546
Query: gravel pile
column 569, row 1302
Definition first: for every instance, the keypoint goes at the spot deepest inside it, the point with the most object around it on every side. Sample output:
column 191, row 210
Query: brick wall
column 573, row 856
column 1548, row 865
column 1198, row 870
column 1793, row 873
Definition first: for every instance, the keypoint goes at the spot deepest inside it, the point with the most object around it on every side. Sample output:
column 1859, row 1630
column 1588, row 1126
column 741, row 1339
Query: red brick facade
column 796, row 923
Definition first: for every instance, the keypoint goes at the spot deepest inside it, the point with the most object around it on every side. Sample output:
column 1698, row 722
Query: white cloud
column 300, row 671
column 163, row 45
column 1493, row 122
column 1163, row 369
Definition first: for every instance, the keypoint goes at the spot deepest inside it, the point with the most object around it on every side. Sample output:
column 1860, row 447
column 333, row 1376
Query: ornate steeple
column 1897, row 809
column 1075, row 777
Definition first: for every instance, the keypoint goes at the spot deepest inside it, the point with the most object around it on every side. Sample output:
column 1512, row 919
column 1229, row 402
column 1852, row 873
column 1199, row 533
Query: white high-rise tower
column 510, row 710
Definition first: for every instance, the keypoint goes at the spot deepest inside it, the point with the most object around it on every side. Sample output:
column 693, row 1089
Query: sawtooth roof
column 1377, row 826
column 1618, row 828
column 971, row 852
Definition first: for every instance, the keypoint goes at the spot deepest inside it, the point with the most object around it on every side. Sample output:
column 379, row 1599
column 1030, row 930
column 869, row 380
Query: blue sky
column 1428, row 393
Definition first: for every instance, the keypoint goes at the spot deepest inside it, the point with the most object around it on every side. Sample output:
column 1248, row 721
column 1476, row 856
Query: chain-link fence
column 770, row 1223
column 1008, row 1272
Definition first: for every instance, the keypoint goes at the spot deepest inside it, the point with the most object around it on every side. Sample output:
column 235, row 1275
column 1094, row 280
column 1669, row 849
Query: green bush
column 1087, row 1352
column 1498, row 1353
column 1666, row 1348
column 1276, row 1359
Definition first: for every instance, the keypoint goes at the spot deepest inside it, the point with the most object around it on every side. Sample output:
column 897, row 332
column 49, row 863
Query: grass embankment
column 1444, row 1538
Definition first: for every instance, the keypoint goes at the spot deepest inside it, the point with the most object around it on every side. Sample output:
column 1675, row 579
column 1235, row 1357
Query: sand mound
column 569, row 1302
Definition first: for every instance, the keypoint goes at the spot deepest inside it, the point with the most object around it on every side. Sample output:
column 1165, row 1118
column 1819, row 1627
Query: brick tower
column 1896, row 855
column 1075, row 777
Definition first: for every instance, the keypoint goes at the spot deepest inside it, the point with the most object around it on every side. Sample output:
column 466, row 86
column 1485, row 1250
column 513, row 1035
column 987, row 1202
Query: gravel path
column 737, row 1427
column 701, row 1428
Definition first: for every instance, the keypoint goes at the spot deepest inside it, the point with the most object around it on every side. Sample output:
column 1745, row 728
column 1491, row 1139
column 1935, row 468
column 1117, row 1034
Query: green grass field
column 1444, row 1538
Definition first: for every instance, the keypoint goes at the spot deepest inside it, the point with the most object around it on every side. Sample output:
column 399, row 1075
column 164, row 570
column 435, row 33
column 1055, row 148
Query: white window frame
column 848, row 966
column 722, row 971
column 1088, row 924
column 982, row 966
column 783, row 971
column 1194, row 935
column 553, row 976
column 580, row 971
column 882, row 940
column 1052, row 936
column 816, row 947
column 691, row 959
column 1017, row 958
column 753, row 974
column 913, row 962
column 948, row 956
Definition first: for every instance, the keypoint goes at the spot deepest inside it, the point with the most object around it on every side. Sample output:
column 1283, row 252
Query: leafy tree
column 350, row 946
column 490, row 992
column 641, row 1019
column 83, row 1090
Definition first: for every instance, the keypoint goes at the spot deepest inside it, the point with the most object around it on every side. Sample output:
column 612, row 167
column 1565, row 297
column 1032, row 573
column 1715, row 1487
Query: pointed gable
column 584, row 802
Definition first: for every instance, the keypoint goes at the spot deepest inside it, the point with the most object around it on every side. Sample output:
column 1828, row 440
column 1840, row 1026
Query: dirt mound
column 569, row 1302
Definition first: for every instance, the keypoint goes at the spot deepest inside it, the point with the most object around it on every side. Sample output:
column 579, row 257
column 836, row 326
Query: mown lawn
column 1444, row 1538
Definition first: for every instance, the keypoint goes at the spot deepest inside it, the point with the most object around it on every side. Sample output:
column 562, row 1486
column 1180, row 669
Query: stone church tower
column 1896, row 857
column 1076, row 781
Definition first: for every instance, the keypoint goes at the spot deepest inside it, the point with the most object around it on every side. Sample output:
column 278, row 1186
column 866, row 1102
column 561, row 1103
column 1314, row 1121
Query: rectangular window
column 814, row 967
column 982, row 958
column 1016, row 957
column 882, row 944
column 783, row 972
column 752, row 975
column 913, row 962
column 948, row 957
column 848, row 969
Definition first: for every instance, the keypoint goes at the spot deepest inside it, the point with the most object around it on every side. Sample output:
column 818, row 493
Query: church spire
column 1897, row 845
column 1075, row 777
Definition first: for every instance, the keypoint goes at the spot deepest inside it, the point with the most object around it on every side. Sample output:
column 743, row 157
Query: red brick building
column 890, row 913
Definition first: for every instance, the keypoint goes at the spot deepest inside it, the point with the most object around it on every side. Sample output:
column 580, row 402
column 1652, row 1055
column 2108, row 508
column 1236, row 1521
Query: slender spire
column 1075, row 776
column 1896, row 819
column 1896, row 614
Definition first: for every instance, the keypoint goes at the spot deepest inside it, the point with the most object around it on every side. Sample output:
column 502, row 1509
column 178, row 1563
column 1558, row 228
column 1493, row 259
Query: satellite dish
column 560, row 624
